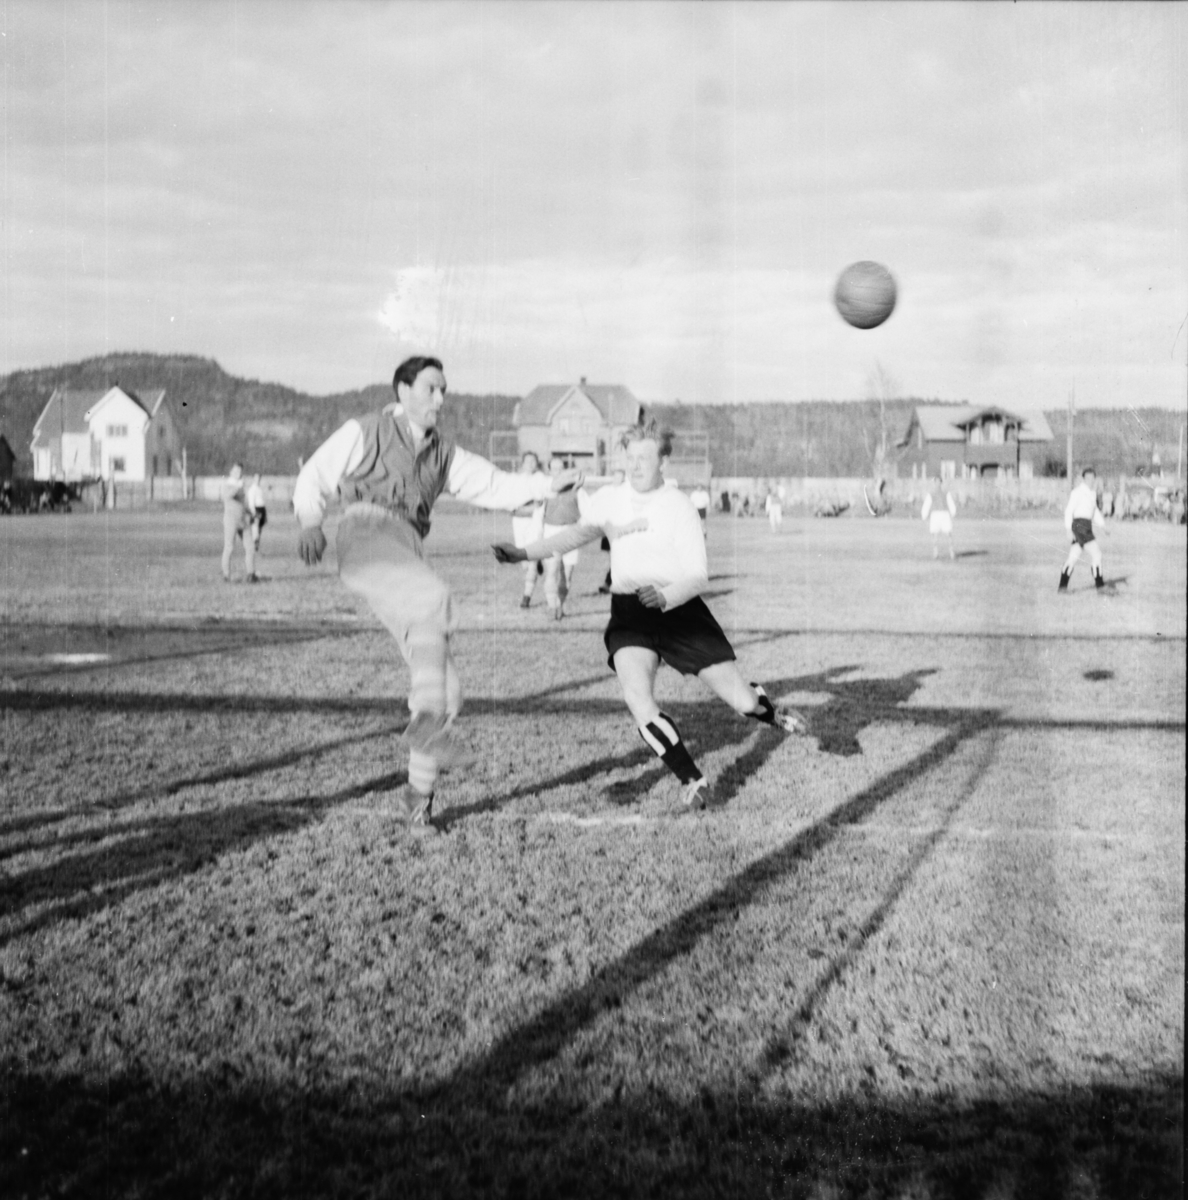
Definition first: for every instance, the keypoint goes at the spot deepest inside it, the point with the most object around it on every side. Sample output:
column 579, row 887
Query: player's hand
column 311, row 545
column 567, row 480
column 505, row 552
column 649, row 597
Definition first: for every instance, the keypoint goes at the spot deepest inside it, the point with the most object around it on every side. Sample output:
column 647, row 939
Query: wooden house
column 966, row 441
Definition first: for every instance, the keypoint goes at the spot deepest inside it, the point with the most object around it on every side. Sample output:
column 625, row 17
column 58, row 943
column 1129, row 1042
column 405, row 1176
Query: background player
column 389, row 468
column 527, row 524
column 1081, row 514
column 659, row 569
column 560, row 512
column 257, row 511
column 940, row 520
column 235, row 522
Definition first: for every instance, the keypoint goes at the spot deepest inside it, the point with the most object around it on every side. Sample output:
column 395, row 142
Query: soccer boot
column 1099, row 580
column 434, row 735
column 525, row 602
column 417, row 811
column 1063, row 585
column 781, row 717
column 696, row 795
column 791, row 720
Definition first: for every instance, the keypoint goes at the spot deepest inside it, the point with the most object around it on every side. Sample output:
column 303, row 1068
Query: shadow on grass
column 136, row 646
column 971, row 554
column 131, row 1135
column 156, row 850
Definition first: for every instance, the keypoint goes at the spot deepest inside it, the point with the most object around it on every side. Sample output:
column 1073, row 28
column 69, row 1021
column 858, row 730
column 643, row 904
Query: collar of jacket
column 404, row 428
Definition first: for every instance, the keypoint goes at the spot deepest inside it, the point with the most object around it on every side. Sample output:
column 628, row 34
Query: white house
column 580, row 422
column 115, row 434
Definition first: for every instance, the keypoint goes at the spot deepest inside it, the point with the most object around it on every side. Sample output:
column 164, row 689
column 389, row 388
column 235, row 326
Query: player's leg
column 749, row 699
column 249, row 553
column 378, row 561
column 1074, row 553
column 1095, row 563
column 636, row 668
column 230, row 525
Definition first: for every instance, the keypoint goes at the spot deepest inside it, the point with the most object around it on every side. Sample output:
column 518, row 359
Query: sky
column 659, row 195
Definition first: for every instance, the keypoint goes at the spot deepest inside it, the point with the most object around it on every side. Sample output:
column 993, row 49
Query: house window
column 994, row 433
column 117, row 431
column 117, row 464
column 919, row 439
column 975, row 435
column 948, row 469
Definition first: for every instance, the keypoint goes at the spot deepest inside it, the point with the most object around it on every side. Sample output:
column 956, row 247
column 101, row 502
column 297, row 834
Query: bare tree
column 882, row 386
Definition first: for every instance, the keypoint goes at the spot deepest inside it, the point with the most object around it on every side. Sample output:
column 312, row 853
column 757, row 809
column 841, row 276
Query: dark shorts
column 687, row 638
column 1082, row 531
column 261, row 517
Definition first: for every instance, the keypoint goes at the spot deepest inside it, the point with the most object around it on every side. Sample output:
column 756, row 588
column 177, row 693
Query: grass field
column 934, row 950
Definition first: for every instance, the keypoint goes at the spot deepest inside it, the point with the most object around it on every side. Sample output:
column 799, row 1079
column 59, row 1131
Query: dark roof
column 946, row 422
column 614, row 401
column 66, row 411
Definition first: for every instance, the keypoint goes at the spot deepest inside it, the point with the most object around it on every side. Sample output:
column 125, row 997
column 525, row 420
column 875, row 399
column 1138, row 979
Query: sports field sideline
column 935, row 949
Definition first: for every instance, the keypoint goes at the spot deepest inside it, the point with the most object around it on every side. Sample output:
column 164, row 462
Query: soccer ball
column 865, row 294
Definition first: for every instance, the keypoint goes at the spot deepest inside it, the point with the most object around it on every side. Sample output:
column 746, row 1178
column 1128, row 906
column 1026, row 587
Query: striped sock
column 766, row 710
column 664, row 738
column 422, row 772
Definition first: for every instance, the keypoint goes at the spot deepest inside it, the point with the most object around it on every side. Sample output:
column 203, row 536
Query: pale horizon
column 657, row 194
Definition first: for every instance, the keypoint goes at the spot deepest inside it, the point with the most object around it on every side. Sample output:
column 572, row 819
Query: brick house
column 966, row 441
column 114, row 434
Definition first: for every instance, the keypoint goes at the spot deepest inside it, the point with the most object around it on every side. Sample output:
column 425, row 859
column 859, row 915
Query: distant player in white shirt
column 527, row 523
column 701, row 502
column 257, row 510
column 1081, row 515
column 659, row 569
column 235, row 523
column 388, row 468
column 775, row 511
column 940, row 520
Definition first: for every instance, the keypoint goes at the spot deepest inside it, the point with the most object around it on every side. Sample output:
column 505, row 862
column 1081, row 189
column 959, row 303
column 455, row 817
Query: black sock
column 664, row 738
column 766, row 711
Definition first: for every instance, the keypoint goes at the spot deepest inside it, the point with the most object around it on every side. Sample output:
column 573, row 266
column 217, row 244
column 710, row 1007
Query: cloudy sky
column 655, row 194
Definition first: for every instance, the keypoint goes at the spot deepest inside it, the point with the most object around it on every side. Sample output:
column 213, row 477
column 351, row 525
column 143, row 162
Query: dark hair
column 529, row 454
column 649, row 432
column 408, row 370
column 1088, row 471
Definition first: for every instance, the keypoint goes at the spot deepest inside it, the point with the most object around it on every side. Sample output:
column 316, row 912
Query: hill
column 270, row 427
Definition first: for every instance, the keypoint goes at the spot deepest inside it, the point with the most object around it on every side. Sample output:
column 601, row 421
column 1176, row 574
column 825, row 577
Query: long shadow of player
column 709, row 727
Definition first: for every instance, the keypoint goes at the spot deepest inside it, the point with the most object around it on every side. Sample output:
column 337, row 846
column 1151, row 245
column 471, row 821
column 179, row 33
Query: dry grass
column 935, row 950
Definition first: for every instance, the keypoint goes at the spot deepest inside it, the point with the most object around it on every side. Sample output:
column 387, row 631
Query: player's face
column 529, row 464
column 643, row 465
column 422, row 402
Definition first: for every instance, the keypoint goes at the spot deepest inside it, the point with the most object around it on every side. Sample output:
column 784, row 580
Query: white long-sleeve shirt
column 471, row 478
column 1082, row 505
column 668, row 555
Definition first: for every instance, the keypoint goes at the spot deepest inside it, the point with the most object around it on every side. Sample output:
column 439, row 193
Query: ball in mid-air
column 865, row 294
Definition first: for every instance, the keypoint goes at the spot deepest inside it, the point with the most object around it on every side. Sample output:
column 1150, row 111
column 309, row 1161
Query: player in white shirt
column 940, row 520
column 1080, row 516
column 236, row 523
column 257, row 511
column 775, row 511
column 659, row 569
column 701, row 502
column 388, row 469
column 527, row 526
